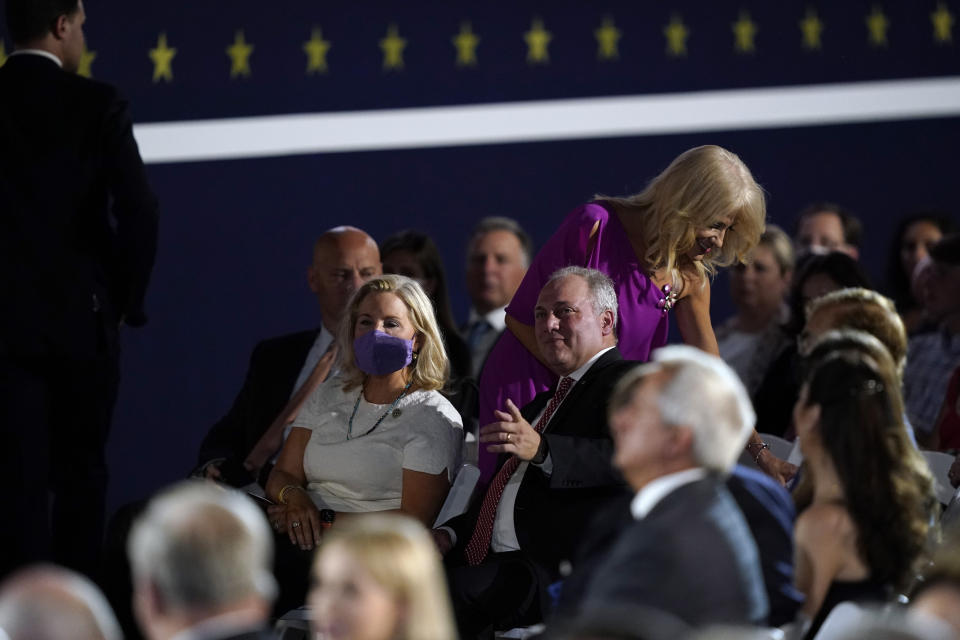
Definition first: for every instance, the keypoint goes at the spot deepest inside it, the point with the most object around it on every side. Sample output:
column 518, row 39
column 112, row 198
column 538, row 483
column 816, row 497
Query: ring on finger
column 295, row 524
column 508, row 436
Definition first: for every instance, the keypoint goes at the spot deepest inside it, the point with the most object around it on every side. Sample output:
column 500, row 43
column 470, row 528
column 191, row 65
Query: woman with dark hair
column 911, row 243
column 864, row 521
column 415, row 255
column 816, row 274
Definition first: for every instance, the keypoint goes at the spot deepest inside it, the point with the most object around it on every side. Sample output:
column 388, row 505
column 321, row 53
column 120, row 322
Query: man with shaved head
column 284, row 370
column 46, row 602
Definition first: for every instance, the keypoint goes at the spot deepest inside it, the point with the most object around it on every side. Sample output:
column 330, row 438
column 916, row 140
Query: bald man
column 45, row 602
column 283, row 370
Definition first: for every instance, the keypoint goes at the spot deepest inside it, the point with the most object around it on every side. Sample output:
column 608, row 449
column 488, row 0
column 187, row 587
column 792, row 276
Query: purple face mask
column 379, row 354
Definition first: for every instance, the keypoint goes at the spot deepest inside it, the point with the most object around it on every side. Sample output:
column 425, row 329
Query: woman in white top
column 378, row 436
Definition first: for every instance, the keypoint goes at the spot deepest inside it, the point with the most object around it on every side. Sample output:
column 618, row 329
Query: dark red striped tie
column 479, row 544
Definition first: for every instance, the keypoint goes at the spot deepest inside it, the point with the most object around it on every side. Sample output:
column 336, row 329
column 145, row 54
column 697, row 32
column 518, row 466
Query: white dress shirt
column 37, row 52
column 497, row 321
column 656, row 490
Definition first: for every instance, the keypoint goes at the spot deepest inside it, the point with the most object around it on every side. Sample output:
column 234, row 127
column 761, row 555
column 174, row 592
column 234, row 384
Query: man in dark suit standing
column 78, row 228
column 555, row 469
column 679, row 424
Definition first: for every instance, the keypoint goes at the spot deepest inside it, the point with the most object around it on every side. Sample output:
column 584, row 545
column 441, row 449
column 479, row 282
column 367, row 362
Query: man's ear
column 606, row 322
column 60, row 27
column 313, row 279
column 681, row 442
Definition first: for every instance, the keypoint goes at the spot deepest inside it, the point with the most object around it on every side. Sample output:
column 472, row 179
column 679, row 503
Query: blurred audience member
column 861, row 310
column 679, row 424
column 815, row 275
column 551, row 478
column 380, row 578
column 911, row 245
column 497, row 259
column 946, row 433
column 201, row 559
column 376, row 437
column 285, row 370
column 932, row 357
column 823, row 227
column 864, row 525
column 937, row 594
column 46, row 602
column 751, row 340
column 414, row 254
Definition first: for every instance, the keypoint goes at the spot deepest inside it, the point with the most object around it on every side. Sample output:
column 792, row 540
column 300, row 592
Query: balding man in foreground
column 201, row 558
column 46, row 602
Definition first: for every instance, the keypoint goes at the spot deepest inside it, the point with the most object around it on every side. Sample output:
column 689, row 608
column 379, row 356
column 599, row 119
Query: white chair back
column 939, row 464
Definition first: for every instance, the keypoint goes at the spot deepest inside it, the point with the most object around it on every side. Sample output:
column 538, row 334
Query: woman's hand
column 299, row 517
column 780, row 470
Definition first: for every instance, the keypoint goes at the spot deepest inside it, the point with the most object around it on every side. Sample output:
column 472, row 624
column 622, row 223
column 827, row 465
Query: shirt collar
column 497, row 318
column 576, row 375
column 656, row 490
column 37, row 52
column 223, row 625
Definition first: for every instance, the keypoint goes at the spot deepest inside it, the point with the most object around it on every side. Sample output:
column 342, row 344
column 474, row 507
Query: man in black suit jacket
column 201, row 561
column 78, row 227
column 513, row 542
column 679, row 424
column 237, row 449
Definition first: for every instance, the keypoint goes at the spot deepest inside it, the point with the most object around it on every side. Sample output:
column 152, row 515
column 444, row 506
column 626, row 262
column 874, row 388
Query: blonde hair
column 431, row 368
column 402, row 558
column 780, row 245
column 699, row 188
column 866, row 310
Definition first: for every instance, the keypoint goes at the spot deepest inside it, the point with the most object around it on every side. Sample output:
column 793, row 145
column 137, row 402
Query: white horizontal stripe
column 792, row 106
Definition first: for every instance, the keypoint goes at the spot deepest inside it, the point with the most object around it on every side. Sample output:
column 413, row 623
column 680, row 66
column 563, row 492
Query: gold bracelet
column 283, row 492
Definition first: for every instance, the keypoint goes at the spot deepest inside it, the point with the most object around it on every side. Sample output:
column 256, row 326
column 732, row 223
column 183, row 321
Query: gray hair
column 602, row 292
column 701, row 393
column 502, row 223
column 202, row 546
column 46, row 602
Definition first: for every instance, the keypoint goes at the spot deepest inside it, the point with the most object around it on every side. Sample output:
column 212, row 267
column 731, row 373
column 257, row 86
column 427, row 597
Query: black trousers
column 55, row 416
column 502, row 592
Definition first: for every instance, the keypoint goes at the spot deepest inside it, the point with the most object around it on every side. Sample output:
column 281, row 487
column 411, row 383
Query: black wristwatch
column 327, row 516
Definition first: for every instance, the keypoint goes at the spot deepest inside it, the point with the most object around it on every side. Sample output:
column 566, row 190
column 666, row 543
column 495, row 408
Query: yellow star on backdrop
column 538, row 40
column 86, row 62
column 607, row 36
column 811, row 28
column 3, row 53
column 877, row 25
column 744, row 31
column 239, row 53
column 466, row 43
column 316, row 49
column 942, row 24
column 392, row 47
column 676, row 33
column 162, row 57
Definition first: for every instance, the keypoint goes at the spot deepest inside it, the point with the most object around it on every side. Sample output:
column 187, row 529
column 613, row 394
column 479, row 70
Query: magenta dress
column 511, row 371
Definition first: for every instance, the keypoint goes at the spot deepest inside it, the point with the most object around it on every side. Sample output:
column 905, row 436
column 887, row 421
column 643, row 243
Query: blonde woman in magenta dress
column 660, row 247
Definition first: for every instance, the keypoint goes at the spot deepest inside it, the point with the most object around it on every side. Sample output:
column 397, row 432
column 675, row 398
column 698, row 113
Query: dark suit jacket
column 78, row 222
column 274, row 367
column 692, row 556
column 552, row 512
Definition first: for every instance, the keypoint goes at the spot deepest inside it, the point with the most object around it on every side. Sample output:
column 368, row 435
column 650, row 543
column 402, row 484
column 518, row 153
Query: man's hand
column 780, row 470
column 954, row 473
column 512, row 434
column 212, row 471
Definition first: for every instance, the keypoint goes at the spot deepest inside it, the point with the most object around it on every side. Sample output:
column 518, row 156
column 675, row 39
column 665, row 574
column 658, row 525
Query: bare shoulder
column 824, row 522
column 695, row 286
